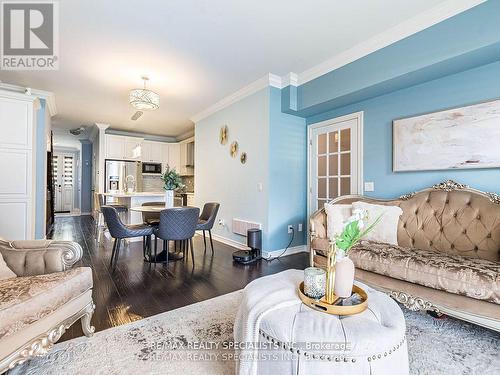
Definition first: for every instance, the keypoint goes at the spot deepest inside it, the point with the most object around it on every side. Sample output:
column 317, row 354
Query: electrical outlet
column 290, row 229
column 300, row 227
column 369, row 186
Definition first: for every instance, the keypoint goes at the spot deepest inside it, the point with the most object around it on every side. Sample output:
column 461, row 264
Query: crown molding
column 291, row 79
column 185, row 135
column 102, row 126
column 48, row 96
column 268, row 80
column 409, row 27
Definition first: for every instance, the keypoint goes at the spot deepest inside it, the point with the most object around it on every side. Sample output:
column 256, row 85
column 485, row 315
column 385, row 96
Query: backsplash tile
column 189, row 182
column 152, row 183
column 155, row 183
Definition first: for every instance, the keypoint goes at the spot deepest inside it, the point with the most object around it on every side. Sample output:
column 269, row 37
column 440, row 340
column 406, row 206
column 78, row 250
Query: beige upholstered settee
column 448, row 254
column 45, row 298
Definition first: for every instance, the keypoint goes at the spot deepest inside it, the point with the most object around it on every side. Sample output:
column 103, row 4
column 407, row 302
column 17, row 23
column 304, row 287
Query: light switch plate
column 370, row 186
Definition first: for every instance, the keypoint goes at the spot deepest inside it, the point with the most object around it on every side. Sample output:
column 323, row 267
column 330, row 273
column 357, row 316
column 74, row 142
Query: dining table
column 176, row 254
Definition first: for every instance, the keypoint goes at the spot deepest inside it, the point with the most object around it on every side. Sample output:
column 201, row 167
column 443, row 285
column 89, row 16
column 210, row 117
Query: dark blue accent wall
column 86, row 191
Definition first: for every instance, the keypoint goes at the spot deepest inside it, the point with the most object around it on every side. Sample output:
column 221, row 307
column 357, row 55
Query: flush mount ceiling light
column 144, row 99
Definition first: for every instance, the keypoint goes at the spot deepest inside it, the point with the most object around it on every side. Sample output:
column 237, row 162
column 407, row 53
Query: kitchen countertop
column 136, row 194
column 140, row 194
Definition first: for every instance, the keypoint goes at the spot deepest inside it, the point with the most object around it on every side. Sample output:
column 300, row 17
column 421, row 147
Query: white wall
column 221, row 178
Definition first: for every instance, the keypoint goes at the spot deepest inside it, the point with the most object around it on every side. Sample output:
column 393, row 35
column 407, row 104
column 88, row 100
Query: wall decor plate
column 243, row 157
column 223, row 135
column 459, row 138
column 233, row 149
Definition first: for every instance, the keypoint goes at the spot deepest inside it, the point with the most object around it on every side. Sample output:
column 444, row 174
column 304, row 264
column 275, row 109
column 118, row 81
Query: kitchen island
column 134, row 200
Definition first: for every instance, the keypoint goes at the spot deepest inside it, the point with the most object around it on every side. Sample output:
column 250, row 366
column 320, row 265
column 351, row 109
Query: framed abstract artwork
column 459, row 138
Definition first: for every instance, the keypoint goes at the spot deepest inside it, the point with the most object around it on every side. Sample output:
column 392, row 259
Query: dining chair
column 99, row 201
column 120, row 231
column 206, row 221
column 177, row 224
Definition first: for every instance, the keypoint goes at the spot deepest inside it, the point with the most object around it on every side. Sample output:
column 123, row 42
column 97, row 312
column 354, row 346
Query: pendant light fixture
column 144, row 99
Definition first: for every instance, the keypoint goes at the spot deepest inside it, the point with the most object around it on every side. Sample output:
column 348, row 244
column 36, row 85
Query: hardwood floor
column 135, row 289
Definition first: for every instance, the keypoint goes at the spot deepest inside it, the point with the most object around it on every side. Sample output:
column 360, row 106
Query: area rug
column 189, row 340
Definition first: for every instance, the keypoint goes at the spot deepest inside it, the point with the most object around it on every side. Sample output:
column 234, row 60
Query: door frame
column 358, row 150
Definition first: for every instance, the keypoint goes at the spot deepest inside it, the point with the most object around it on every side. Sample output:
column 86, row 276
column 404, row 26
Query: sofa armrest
column 317, row 223
column 27, row 258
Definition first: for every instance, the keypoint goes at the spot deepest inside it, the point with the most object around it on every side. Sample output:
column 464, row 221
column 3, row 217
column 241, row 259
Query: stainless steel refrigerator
column 123, row 176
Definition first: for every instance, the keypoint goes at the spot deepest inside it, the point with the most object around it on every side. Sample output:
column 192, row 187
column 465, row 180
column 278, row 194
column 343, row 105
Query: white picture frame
column 458, row 138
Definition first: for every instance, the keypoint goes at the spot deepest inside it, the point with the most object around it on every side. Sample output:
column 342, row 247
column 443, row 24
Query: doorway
column 63, row 167
column 335, row 159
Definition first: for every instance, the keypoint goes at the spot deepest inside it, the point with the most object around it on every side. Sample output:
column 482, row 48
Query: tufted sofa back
column 462, row 222
column 458, row 222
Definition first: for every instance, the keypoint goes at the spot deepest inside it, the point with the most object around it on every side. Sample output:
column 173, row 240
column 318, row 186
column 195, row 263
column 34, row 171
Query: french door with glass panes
column 63, row 167
column 335, row 159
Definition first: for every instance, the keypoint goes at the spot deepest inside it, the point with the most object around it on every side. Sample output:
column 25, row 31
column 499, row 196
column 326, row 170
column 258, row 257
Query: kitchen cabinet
column 133, row 148
column 123, row 148
column 115, row 147
column 174, row 156
column 153, row 152
column 187, row 159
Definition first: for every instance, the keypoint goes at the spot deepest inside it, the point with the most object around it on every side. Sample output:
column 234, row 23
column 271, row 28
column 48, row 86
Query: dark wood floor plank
column 136, row 289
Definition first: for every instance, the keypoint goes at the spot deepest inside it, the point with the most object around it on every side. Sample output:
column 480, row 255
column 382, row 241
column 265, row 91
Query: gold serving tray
column 333, row 309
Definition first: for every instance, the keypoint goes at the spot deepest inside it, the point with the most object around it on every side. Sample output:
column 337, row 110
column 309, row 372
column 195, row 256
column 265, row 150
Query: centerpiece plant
column 172, row 182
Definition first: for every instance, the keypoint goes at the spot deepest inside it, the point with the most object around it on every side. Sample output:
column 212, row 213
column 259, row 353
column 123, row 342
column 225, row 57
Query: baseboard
column 289, row 251
column 229, row 242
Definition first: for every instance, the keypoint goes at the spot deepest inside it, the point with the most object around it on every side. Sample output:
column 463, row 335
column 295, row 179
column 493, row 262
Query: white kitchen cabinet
column 152, row 152
column 133, row 148
column 186, row 159
column 123, row 148
column 115, row 147
column 174, row 156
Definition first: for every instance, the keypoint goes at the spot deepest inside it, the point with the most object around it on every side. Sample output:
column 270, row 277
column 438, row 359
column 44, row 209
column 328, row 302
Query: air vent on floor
column 242, row 226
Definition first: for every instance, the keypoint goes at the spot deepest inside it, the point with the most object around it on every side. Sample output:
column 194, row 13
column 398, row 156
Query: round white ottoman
column 305, row 341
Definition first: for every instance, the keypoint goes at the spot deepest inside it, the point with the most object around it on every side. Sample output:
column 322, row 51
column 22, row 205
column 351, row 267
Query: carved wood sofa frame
column 413, row 296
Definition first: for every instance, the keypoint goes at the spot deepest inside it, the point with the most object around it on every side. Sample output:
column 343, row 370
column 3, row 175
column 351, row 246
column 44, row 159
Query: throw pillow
column 386, row 231
column 336, row 216
column 5, row 271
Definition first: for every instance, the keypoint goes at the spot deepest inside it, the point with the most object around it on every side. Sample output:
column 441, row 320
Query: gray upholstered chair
column 100, row 225
column 207, row 220
column 177, row 224
column 120, row 231
column 41, row 297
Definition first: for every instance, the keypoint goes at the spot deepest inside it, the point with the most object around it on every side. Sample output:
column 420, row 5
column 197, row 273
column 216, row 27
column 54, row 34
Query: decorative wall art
column 243, row 157
column 465, row 137
column 233, row 149
column 223, row 135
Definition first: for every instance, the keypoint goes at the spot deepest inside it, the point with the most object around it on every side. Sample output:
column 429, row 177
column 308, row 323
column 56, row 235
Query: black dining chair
column 177, row 224
column 206, row 221
column 120, row 231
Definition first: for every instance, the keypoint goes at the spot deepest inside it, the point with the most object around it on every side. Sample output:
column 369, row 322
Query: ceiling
column 194, row 52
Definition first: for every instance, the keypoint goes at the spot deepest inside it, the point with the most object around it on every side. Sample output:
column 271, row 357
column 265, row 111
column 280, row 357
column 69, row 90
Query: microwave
column 151, row 168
